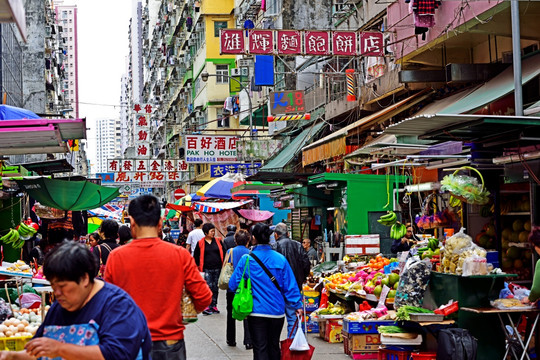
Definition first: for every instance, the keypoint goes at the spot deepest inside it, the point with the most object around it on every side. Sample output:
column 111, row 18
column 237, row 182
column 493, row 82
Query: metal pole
column 516, row 50
column 250, row 113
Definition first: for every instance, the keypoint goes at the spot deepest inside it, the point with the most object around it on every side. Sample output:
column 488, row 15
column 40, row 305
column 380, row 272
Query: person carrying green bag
column 243, row 299
column 273, row 285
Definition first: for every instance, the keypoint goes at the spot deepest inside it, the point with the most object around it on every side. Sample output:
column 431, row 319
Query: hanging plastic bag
column 299, row 342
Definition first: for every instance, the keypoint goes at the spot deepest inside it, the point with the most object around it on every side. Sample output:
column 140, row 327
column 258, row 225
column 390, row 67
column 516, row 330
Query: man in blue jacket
column 269, row 298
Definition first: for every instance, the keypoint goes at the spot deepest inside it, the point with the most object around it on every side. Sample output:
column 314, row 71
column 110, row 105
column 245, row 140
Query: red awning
column 181, row 208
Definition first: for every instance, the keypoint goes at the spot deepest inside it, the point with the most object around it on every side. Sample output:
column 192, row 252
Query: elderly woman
column 90, row 319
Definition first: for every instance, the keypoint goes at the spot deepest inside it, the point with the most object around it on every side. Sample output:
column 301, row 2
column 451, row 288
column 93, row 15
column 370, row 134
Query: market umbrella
column 256, row 215
column 8, row 112
column 220, row 188
column 244, row 193
column 68, row 195
column 93, row 224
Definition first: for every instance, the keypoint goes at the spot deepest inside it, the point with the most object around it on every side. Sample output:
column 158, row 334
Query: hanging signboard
column 222, row 169
column 144, row 171
column 210, row 149
column 301, row 42
column 287, row 102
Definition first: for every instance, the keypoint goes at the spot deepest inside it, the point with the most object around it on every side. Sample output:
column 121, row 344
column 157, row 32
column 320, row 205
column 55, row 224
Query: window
column 222, row 72
column 219, row 25
column 223, row 120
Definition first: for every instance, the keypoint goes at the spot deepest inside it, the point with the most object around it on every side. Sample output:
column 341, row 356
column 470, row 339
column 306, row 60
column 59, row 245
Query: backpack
column 456, row 344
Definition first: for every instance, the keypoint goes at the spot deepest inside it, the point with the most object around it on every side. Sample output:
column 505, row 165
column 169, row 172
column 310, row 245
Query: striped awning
column 214, row 207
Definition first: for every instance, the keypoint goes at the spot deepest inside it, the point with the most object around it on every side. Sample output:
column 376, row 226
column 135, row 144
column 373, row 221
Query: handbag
column 226, row 272
column 243, row 299
column 288, row 354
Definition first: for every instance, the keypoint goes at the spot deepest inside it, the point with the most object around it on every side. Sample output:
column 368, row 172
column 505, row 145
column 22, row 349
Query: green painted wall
column 10, row 209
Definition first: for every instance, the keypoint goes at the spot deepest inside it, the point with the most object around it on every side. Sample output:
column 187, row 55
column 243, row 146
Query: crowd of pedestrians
column 125, row 288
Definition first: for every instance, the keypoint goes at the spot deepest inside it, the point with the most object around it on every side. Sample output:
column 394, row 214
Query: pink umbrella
column 256, row 215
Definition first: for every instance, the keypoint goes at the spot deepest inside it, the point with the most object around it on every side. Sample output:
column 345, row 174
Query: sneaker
column 207, row 311
column 215, row 310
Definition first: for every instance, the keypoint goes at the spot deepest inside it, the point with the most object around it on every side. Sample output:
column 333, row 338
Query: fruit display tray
column 426, row 317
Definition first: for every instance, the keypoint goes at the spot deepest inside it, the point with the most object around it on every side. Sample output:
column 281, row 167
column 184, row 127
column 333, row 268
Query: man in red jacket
column 154, row 273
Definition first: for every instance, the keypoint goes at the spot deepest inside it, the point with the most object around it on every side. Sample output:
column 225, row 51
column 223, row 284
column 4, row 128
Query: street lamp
column 204, row 77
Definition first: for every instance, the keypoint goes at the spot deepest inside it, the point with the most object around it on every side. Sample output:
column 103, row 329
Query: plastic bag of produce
column 452, row 248
column 475, row 265
column 413, row 282
column 5, row 310
column 189, row 313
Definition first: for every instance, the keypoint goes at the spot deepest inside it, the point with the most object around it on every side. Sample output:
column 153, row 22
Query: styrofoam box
column 388, row 340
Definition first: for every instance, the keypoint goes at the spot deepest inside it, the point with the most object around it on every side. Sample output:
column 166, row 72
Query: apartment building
column 108, row 142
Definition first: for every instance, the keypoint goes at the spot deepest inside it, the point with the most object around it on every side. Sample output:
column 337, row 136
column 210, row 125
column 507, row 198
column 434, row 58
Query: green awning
column 187, row 76
column 496, row 88
column 295, row 146
column 68, row 195
column 259, row 117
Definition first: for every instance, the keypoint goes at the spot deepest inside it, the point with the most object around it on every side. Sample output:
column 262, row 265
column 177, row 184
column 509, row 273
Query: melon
column 513, row 253
column 527, row 255
column 527, row 225
column 514, row 237
column 525, row 206
column 505, row 244
column 517, row 225
column 490, row 230
column 506, row 233
column 518, row 264
column 507, row 263
column 523, row 236
column 484, row 241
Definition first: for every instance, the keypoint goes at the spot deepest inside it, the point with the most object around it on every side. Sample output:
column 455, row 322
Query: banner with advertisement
column 210, row 149
column 301, row 42
column 154, row 172
column 219, row 170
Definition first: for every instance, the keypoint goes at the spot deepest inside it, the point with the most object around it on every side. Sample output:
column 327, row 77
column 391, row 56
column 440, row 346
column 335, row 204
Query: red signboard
column 289, row 42
column 179, row 193
column 232, row 41
column 371, row 44
column 317, row 42
column 261, row 42
column 344, row 43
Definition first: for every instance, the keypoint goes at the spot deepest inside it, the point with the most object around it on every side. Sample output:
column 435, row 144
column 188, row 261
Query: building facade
column 108, row 142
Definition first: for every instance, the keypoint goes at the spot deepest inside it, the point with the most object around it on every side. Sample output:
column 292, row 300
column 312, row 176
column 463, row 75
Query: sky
column 103, row 46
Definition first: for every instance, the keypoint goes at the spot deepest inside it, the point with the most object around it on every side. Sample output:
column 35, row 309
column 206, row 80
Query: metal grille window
column 218, row 25
column 222, row 119
column 11, row 70
column 222, row 72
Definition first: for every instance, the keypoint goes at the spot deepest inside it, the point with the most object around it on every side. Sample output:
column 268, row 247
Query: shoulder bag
column 101, row 272
column 265, row 269
column 226, row 271
column 243, row 299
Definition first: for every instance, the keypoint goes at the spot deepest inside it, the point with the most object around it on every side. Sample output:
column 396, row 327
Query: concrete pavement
column 205, row 339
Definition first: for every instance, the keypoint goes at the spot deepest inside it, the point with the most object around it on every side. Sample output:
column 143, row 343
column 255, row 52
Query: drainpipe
column 516, row 50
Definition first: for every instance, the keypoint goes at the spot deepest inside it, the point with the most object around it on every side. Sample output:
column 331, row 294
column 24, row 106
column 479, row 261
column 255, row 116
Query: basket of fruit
column 466, row 188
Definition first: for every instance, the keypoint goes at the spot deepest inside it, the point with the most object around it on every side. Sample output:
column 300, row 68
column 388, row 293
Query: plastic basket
column 482, row 188
column 424, row 356
column 14, row 343
column 388, row 354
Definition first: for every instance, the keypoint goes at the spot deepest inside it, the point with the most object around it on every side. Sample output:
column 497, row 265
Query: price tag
column 384, row 294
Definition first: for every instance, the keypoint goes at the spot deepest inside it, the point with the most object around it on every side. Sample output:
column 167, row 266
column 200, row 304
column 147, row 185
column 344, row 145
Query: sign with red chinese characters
column 371, row 44
column 232, row 41
column 344, row 43
column 146, row 171
column 302, row 42
column 289, row 42
column 287, row 102
column 210, row 149
column 317, row 42
column 261, row 42
column 142, row 108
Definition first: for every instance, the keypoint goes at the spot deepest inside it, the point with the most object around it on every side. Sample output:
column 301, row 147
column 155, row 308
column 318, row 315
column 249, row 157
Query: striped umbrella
column 220, row 188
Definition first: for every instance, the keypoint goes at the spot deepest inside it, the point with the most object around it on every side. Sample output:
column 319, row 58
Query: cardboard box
column 322, row 328
column 361, row 342
column 362, row 244
column 312, row 300
column 332, row 333
column 311, row 324
column 365, row 327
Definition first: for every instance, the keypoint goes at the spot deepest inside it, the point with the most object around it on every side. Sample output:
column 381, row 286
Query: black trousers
column 212, row 278
column 231, row 323
column 265, row 334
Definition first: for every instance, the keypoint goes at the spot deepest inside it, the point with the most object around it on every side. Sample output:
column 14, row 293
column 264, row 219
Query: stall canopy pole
column 516, row 50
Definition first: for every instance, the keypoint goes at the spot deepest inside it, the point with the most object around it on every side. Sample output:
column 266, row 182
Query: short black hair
column 197, row 222
column 231, row 228
column 95, row 235
column 109, row 228
column 207, row 227
column 145, row 210
column 70, row 261
column 124, row 234
column 242, row 237
column 261, row 232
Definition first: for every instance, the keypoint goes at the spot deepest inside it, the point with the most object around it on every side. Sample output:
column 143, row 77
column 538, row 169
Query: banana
column 9, row 236
column 393, row 232
column 387, row 216
column 16, row 237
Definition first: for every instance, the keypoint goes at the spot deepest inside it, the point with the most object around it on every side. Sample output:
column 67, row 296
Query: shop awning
column 334, row 144
column 286, row 155
column 39, row 136
column 463, row 127
column 187, row 76
column 260, row 117
column 256, row 215
column 496, row 88
column 533, row 110
column 68, row 195
column 49, row 167
column 214, row 207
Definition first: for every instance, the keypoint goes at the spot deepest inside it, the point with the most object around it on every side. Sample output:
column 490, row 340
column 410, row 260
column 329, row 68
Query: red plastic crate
column 387, row 354
column 424, row 356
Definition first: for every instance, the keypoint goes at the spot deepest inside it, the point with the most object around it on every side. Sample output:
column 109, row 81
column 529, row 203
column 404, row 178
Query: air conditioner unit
column 198, row 114
column 235, row 72
column 244, row 71
column 188, row 86
column 199, row 27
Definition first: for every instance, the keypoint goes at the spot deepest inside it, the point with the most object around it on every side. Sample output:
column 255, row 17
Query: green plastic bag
column 243, row 299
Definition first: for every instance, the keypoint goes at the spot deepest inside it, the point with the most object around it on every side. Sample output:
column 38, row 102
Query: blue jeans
column 162, row 351
column 290, row 313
